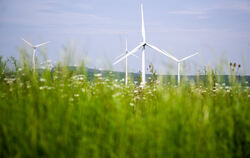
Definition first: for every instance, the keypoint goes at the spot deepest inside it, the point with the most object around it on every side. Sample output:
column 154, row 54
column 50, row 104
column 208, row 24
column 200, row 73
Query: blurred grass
column 66, row 115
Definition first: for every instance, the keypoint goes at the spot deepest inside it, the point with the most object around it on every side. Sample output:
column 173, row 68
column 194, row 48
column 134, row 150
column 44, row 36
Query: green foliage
column 62, row 114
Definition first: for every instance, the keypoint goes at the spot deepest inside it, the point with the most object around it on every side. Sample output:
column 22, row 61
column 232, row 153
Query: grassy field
column 65, row 115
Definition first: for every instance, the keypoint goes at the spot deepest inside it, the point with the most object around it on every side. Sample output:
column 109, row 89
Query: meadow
column 64, row 114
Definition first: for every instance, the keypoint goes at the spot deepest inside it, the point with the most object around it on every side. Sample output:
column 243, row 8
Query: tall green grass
column 65, row 115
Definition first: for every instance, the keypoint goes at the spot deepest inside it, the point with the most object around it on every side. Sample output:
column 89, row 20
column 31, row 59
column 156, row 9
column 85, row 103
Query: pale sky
column 218, row 29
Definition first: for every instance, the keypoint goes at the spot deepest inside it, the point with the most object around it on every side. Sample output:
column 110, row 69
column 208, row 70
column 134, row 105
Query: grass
column 66, row 115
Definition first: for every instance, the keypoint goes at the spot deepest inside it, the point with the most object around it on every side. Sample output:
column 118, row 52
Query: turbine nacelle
column 35, row 46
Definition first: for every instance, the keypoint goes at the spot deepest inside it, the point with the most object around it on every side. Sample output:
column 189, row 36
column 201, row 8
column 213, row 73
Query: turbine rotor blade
column 129, row 53
column 125, row 54
column 188, row 57
column 27, row 42
column 163, row 52
column 42, row 44
column 143, row 26
column 135, row 55
column 119, row 56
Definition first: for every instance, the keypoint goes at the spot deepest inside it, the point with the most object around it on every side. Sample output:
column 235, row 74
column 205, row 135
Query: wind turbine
column 126, row 51
column 142, row 45
column 34, row 47
column 179, row 64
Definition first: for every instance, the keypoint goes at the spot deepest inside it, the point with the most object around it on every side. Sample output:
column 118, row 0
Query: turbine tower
column 126, row 75
column 126, row 66
column 34, row 47
column 142, row 45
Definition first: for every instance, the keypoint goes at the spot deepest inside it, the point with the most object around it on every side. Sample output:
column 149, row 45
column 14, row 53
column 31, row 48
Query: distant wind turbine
column 142, row 45
column 179, row 64
column 126, row 51
column 34, row 47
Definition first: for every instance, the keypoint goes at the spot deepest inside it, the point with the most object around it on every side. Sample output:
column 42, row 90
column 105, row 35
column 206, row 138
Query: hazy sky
column 218, row 29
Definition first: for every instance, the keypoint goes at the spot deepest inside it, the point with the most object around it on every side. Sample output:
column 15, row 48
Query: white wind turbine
column 179, row 63
column 34, row 47
column 126, row 51
column 142, row 45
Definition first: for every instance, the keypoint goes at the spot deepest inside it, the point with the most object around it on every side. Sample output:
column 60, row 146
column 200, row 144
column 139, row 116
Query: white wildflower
column 42, row 80
column 204, row 91
column 76, row 95
column 9, row 80
column 131, row 104
column 83, row 90
column 78, row 77
column 98, row 75
column 49, row 88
